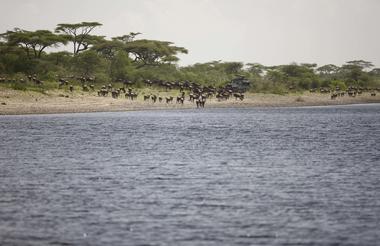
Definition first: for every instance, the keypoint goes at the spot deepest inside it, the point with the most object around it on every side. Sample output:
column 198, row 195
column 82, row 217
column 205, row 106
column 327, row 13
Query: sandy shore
column 27, row 102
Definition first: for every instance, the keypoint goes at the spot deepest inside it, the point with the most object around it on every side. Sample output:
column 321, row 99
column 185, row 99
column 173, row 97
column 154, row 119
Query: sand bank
column 27, row 102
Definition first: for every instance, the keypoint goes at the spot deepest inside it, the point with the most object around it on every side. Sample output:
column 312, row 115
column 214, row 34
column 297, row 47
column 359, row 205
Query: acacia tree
column 375, row 72
column 153, row 52
column 79, row 34
column 353, row 71
column 128, row 37
column 109, row 48
column 87, row 62
column 36, row 41
column 256, row 69
column 361, row 64
column 327, row 69
column 42, row 39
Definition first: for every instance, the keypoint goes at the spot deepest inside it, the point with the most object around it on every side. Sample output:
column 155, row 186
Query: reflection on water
column 261, row 176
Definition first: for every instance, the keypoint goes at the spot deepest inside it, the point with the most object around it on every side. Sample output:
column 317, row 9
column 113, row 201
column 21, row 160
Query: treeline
column 127, row 57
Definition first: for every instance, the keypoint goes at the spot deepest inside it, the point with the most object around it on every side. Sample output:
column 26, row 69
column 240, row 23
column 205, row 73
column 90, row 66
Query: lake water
column 259, row 176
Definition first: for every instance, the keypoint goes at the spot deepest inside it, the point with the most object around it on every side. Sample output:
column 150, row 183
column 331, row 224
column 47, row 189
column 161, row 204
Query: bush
column 304, row 83
column 339, row 83
column 102, row 78
column 19, row 86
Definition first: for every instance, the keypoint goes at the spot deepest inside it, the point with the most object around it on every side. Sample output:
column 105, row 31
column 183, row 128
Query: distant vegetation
column 127, row 57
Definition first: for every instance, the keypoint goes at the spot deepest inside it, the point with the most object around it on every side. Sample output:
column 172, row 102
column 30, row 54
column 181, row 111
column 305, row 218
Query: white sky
column 270, row 32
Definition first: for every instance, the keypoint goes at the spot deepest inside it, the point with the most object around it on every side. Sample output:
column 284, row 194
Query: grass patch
column 19, row 86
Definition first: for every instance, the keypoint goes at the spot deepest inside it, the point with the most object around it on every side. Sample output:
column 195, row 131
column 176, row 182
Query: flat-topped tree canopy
column 108, row 48
column 128, row 37
column 256, row 68
column 361, row 63
column 153, row 52
column 34, row 40
column 327, row 69
column 79, row 34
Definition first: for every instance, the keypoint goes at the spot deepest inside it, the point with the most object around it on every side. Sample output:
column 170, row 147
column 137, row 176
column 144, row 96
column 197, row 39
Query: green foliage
column 338, row 83
column 215, row 73
column 24, row 53
column 79, row 34
column 19, row 86
column 101, row 78
column 14, row 62
column 121, row 66
column 88, row 62
column 153, row 52
column 35, row 41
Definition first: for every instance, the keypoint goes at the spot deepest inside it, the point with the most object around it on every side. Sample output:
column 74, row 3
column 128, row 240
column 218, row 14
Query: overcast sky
column 270, row 32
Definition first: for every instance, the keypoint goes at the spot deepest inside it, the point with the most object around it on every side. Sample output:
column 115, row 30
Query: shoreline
column 13, row 102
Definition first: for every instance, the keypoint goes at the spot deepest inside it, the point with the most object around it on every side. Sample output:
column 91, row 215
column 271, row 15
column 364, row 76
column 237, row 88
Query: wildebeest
column 146, row 97
column 103, row 91
column 154, row 98
column 61, row 82
column 201, row 102
column 131, row 95
column 169, row 99
column 180, row 100
column 148, row 82
column 109, row 87
column 239, row 96
column 115, row 93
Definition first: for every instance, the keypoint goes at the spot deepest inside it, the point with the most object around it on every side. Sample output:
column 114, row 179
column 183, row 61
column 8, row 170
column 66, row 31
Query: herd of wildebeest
column 197, row 93
column 351, row 91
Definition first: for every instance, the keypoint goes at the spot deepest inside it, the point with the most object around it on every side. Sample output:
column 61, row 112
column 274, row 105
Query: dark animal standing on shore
column 61, row 82
column 324, row 90
column 239, row 96
column 180, row 100
column 115, row 93
column 146, row 97
column 37, row 81
column 148, row 82
column 201, row 100
column 71, row 88
column 103, row 92
column 130, row 94
column 169, row 99
column 154, row 98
